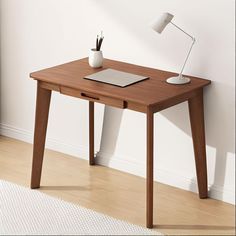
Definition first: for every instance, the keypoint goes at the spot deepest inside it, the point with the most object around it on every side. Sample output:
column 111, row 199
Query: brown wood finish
column 41, row 120
column 174, row 101
column 149, row 178
column 148, row 96
column 154, row 91
column 196, row 113
column 91, row 133
column 92, row 97
column 50, row 86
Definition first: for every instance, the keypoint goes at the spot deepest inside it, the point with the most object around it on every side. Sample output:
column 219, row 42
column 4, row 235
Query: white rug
column 29, row 212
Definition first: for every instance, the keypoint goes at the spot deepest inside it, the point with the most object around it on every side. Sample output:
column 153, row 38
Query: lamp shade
column 160, row 24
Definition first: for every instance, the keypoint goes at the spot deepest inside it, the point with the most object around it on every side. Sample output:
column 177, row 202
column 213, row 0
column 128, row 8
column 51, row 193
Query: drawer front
column 93, row 97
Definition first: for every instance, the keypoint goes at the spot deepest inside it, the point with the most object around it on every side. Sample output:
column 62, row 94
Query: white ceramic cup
column 95, row 58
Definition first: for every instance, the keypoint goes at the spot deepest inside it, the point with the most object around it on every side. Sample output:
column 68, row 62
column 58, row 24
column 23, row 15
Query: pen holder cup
column 95, row 58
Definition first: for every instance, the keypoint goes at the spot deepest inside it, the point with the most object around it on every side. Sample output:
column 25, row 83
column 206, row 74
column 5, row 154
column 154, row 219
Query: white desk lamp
column 159, row 25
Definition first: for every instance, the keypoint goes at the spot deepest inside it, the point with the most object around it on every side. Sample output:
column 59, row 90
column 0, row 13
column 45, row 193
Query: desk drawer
column 93, row 97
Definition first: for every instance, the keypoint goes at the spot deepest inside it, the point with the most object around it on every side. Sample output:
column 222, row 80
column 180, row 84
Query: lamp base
column 178, row 80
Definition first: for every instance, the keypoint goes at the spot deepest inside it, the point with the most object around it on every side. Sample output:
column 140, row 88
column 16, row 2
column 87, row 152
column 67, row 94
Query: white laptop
column 116, row 77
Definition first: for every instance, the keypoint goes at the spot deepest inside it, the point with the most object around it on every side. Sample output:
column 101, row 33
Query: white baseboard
column 120, row 163
column 54, row 144
column 164, row 176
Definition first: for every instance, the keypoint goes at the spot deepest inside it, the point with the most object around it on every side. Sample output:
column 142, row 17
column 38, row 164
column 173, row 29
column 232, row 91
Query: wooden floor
column 117, row 194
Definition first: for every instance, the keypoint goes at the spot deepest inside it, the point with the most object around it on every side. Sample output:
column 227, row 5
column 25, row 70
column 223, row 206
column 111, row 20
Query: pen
column 100, row 43
column 97, row 43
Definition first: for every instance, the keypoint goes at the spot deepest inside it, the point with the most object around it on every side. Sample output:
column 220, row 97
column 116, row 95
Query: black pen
column 100, row 44
column 97, row 44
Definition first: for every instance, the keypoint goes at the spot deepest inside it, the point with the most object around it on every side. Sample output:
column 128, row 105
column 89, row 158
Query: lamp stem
column 193, row 41
column 187, row 56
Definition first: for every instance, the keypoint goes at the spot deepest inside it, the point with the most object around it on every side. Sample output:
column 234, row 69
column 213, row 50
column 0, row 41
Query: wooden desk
column 149, row 96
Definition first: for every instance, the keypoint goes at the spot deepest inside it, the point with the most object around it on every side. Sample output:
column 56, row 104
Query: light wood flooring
column 116, row 194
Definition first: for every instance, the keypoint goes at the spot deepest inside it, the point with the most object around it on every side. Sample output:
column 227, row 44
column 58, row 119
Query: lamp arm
column 187, row 56
column 182, row 30
column 193, row 41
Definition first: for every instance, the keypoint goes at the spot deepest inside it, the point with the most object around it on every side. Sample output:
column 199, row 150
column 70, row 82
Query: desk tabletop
column 147, row 93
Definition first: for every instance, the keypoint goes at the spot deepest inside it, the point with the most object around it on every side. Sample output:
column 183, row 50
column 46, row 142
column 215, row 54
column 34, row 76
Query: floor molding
column 120, row 163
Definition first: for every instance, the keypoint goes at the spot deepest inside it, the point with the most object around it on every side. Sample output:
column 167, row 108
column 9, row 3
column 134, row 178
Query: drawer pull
column 94, row 97
column 89, row 96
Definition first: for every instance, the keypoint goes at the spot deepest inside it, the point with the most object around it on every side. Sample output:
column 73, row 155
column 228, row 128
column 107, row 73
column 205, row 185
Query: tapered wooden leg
column 91, row 133
column 41, row 120
column 196, row 111
column 149, row 178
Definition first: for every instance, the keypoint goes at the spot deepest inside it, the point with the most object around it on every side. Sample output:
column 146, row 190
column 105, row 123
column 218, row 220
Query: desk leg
column 41, row 120
column 149, row 178
column 196, row 112
column 91, row 133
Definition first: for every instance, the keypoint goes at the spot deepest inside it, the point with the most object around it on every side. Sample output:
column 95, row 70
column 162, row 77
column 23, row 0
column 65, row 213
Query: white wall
column 41, row 33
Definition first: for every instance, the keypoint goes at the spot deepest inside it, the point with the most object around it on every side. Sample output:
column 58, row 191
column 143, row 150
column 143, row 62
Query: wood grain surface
column 153, row 91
